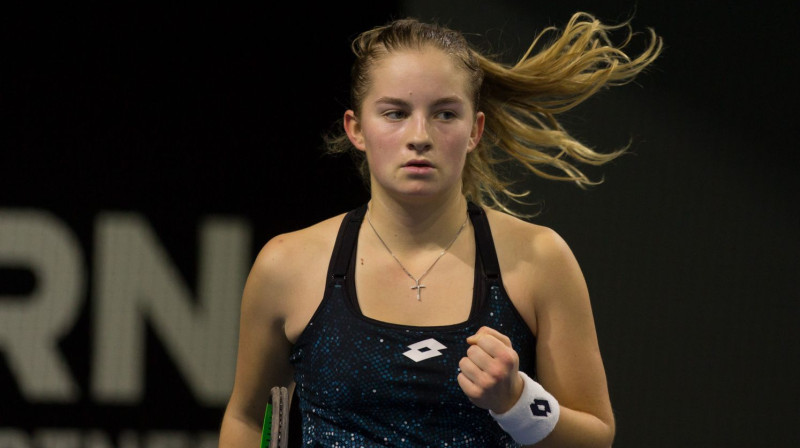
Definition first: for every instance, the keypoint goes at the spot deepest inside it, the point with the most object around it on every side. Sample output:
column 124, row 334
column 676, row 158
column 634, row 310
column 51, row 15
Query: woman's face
column 417, row 124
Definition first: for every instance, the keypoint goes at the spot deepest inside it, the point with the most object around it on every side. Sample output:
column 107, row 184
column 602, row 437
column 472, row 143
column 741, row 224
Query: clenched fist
column 490, row 371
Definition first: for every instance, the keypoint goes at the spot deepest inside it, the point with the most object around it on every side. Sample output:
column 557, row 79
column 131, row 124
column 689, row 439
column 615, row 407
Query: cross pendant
column 418, row 287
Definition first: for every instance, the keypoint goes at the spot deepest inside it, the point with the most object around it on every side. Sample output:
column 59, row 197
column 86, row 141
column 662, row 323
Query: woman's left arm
column 568, row 361
column 547, row 287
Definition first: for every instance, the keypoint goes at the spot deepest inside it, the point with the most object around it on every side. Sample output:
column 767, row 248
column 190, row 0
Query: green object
column 266, row 431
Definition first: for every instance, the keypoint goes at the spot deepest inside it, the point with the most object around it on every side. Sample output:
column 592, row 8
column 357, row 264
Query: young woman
column 433, row 315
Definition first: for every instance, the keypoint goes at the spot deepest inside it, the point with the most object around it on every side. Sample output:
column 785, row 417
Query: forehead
column 427, row 69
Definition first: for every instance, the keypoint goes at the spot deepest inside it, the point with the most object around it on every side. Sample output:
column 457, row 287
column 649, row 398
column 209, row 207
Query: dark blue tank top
column 367, row 383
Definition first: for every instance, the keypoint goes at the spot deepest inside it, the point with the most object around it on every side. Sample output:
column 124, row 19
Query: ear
column 477, row 131
column 353, row 129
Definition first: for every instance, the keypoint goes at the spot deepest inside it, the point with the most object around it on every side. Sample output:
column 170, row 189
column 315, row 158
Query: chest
column 427, row 289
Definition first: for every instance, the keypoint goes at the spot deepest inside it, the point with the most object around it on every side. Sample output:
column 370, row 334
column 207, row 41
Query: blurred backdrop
column 147, row 151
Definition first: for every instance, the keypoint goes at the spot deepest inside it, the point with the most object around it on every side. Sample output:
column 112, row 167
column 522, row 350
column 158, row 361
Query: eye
column 395, row 114
column 446, row 115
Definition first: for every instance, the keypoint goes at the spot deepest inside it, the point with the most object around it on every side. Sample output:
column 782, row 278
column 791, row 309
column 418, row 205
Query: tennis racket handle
column 275, row 433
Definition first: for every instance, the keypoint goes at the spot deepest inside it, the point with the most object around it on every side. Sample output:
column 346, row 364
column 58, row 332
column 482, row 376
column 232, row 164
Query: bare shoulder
column 287, row 255
column 288, row 274
column 525, row 241
column 536, row 263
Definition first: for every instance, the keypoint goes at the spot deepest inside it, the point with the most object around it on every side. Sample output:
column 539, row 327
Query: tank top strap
column 345, row 243
column 484, row 241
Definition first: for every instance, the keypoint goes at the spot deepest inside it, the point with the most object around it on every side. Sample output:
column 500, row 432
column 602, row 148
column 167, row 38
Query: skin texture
column 416, row 127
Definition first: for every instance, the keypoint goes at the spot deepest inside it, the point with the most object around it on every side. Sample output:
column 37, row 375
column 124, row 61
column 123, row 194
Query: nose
column 419, row 139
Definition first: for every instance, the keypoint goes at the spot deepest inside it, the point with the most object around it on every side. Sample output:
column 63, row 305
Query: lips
column 418, row 167
column 419, row 164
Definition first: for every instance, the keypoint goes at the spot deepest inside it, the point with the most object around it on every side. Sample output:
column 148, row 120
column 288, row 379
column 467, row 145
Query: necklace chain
column 417, row 281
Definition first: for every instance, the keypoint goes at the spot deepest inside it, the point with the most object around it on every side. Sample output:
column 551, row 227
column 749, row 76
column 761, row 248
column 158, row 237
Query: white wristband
column 532, row 417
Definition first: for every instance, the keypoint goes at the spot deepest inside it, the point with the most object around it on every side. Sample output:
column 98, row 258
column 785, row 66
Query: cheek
column 458, row 144
column 378, row 139
column 377, row 149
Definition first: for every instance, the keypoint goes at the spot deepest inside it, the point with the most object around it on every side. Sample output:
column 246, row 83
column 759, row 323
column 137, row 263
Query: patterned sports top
column 367, row 383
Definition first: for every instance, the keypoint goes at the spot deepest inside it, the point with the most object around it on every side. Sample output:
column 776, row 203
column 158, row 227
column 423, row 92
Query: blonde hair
column 520, row 101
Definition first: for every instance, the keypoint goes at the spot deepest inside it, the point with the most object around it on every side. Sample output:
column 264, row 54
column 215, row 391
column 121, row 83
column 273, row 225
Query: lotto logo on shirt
column 420, row 351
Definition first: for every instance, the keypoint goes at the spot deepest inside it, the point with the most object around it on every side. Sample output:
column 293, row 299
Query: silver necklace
column 417, row 281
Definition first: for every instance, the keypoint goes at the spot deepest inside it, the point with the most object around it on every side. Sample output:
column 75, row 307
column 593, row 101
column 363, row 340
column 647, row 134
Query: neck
column 407, row 226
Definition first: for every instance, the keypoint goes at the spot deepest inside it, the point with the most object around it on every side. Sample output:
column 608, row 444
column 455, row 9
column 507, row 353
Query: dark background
column 689, row 248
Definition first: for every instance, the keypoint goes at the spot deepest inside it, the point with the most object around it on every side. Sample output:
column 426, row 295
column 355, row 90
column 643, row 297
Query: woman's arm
column 568, row 360
column 546, row 285
column 263, row 352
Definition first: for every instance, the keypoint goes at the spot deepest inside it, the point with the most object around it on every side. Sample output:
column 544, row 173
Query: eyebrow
column 404, row 103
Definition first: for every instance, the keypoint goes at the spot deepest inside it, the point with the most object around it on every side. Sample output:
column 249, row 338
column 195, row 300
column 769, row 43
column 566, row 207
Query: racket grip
column 275, row 432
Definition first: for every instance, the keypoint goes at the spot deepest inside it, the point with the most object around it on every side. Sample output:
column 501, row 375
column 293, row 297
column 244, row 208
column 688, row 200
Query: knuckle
column 497, row 372
column 508, row 357
column 489, row 381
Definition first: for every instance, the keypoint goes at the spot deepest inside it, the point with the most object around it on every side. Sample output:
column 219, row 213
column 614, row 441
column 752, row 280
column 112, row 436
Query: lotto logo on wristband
column 533, row 416
column 540, row 408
